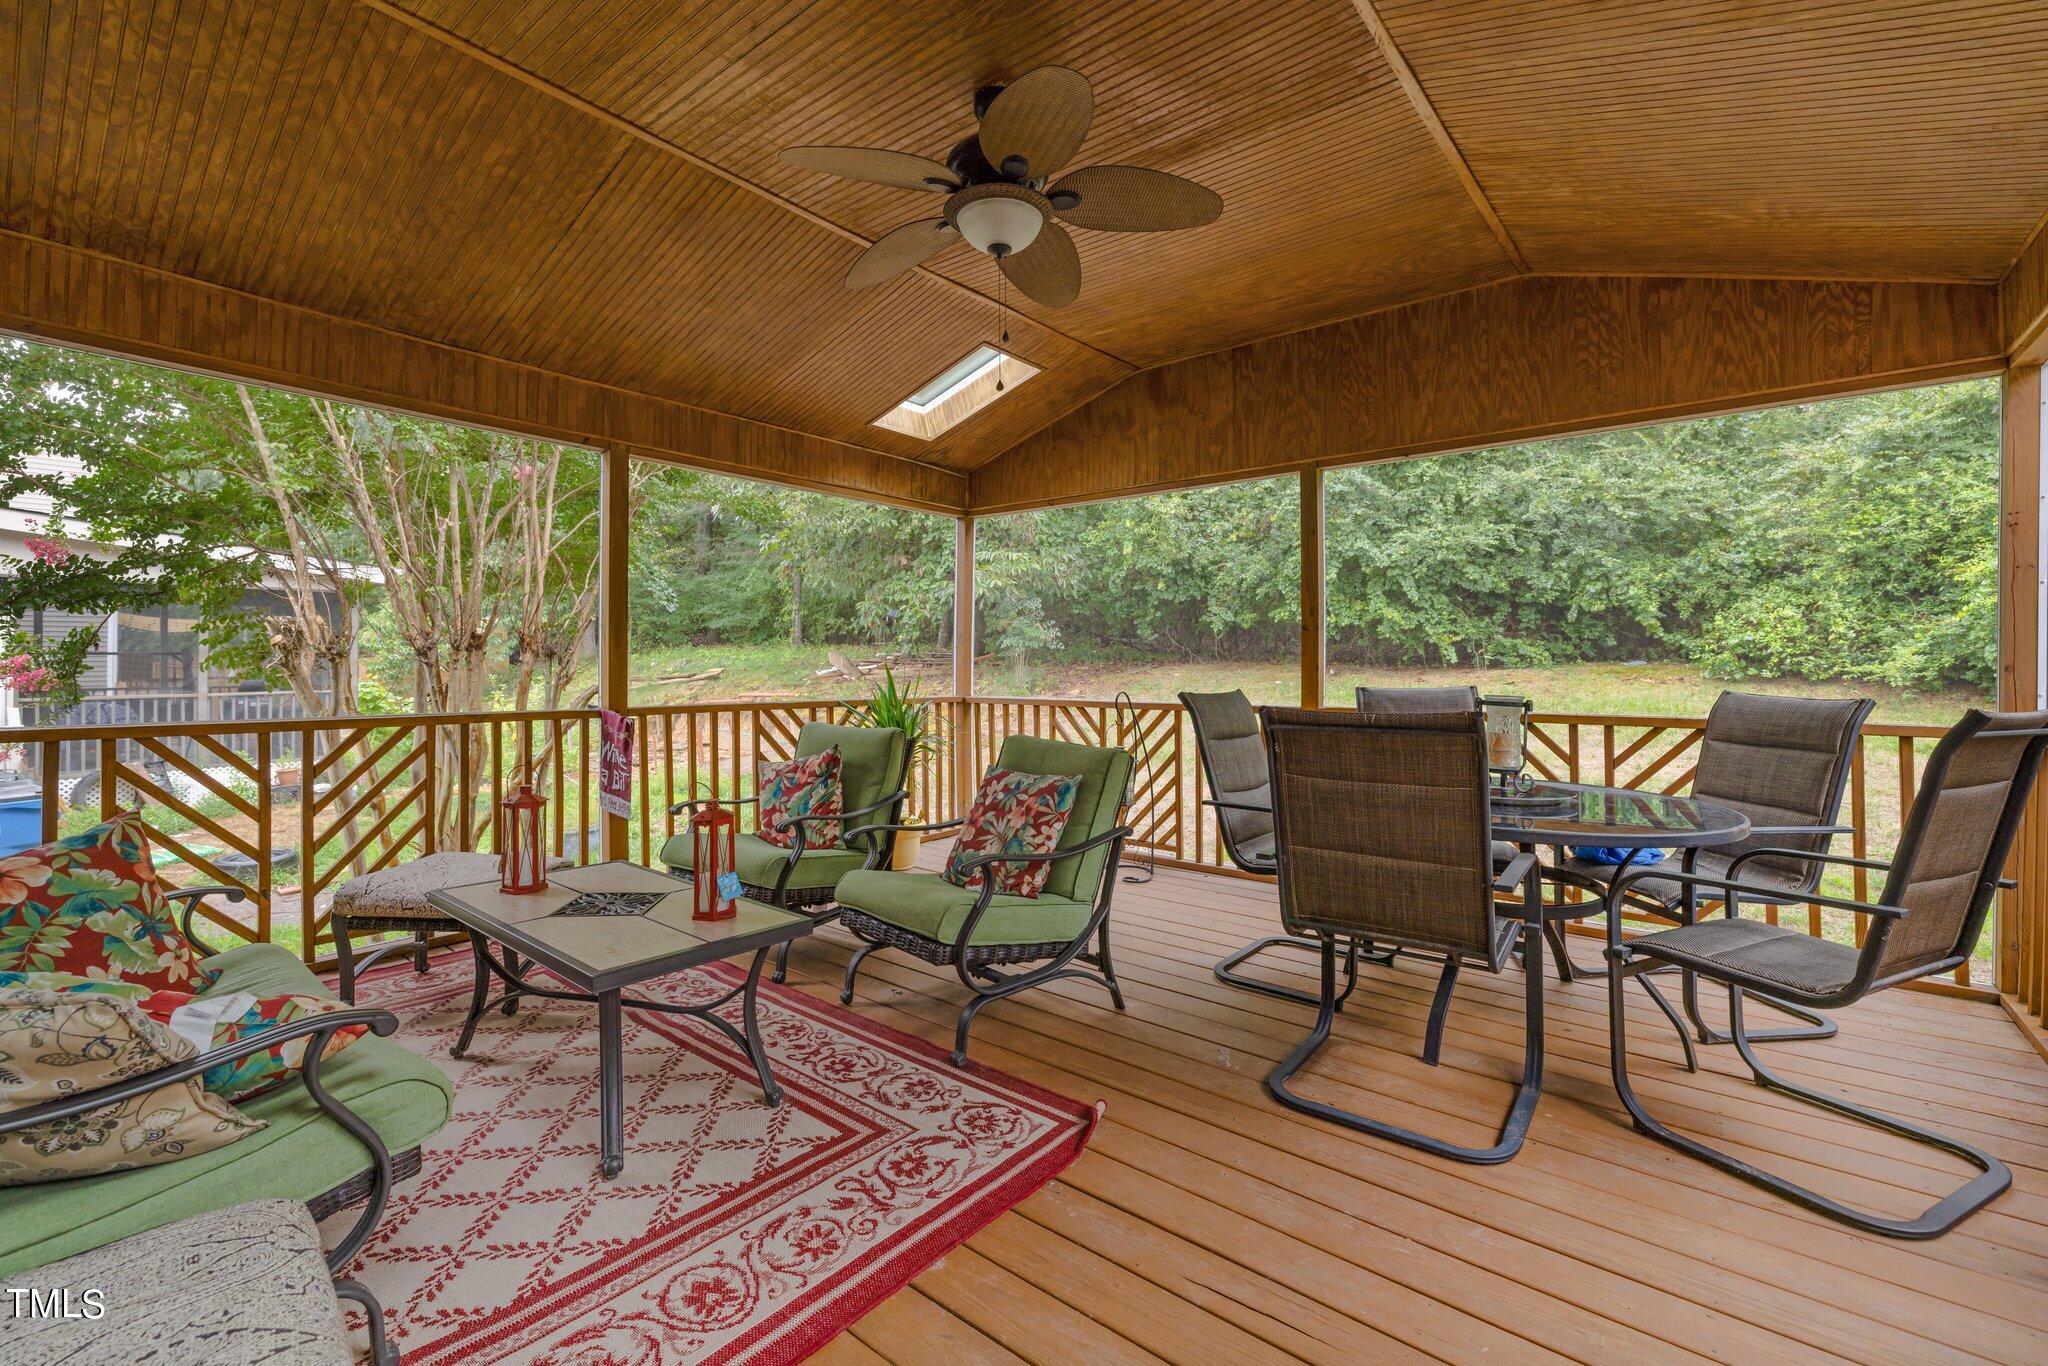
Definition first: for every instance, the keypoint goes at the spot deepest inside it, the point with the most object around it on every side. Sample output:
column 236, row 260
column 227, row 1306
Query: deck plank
column 1205, row 1222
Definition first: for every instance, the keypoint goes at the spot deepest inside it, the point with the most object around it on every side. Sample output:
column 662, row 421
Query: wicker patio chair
column 1783, row 762
column 873, row 764
column 1382, row 832
column 1233, row 760
column 1937, row 893
column 973, row 930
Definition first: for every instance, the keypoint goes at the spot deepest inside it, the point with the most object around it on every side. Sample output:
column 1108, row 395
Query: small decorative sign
column 615, row 764
column 729, row 886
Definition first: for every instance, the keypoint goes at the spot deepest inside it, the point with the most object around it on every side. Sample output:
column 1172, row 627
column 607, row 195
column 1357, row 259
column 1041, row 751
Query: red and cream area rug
column 736, row 1233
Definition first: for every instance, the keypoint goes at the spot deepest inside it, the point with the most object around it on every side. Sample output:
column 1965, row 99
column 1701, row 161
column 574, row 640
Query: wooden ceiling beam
column 1417, row 96
column 624, row 125
column 75, row 297
column 1527, row 358
column 2023, row 300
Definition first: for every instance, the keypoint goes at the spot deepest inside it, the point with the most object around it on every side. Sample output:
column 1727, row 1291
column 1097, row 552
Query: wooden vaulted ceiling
column 590, row 188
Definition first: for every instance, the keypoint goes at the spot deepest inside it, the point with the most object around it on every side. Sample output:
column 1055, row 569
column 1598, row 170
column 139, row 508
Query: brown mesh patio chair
column 1382, row 833
column 1937, row 893
column 1783, row 762
column 1400, row 701
column 1233, row 759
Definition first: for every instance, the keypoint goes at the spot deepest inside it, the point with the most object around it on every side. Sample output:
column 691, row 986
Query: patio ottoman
column 233, row 1287
column 395, row 898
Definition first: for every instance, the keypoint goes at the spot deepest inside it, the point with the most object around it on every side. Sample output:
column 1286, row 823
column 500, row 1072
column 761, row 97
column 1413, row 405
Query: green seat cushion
column 927, row 904
column 870, row 761
column 303, row 1153
column 1104, row 774
column 760, row 862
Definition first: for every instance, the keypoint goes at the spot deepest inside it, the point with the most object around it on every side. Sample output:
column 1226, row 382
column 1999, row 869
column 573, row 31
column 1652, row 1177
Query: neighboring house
column 148, row 666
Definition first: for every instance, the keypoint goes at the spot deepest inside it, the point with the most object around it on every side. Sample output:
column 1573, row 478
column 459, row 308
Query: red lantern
column 713, row 856
column 522, row 859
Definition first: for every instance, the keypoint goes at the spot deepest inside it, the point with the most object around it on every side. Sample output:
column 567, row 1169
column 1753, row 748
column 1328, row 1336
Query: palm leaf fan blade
column 876, row 165
column 1041, row 117
column 899, row 250
column 1134, row 199
column 1048, row 271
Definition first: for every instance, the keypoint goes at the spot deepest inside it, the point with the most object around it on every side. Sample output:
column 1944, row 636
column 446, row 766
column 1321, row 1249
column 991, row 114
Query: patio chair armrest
column 1221, row 805
column 1121, row 832
column 896, row 826
column 1511, row 877
column 1726, row 883
column 192, row 896
column 680, row 807
column 792, row 822
column 1113, row 837
column 1810, row 855
column 1802, row 829
column 380, row 1022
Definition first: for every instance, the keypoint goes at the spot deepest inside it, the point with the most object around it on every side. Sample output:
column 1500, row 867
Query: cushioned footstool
column 396, row 899
column 240, row 1285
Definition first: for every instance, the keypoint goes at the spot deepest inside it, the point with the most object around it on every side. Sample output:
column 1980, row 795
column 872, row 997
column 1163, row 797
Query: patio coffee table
column 603, row 928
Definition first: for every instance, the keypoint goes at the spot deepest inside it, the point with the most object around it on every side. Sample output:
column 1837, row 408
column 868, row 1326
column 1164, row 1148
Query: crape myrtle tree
column 477, row 545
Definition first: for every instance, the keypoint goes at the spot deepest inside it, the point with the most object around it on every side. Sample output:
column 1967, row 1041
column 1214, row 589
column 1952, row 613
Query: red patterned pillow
column 90, row 905
column 1013, row 813
column 802, row 787
column 210, row 1022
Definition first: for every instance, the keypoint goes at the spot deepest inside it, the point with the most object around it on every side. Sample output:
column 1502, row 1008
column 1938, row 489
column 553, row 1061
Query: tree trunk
column 796, row 606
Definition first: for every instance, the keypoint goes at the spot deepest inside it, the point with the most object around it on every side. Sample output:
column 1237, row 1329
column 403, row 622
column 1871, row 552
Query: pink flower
column 48, row 551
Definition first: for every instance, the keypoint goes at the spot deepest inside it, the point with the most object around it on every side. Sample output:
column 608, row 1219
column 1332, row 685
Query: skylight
column 957, row 393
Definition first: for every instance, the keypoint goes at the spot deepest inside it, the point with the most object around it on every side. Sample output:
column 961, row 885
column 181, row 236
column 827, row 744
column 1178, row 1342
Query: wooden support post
column 963, row 670
column 2022, row 969
column 613, row 657
column 1314, row 632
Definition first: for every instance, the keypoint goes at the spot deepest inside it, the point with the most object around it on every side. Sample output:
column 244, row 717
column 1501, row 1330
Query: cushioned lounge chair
column 974, row 930
column 1783, row 762
column 1937, row 893
column 342, row 1133
column 802, row 878
column 1383, row 832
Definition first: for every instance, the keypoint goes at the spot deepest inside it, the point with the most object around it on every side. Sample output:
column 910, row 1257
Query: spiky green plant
column 891, row 705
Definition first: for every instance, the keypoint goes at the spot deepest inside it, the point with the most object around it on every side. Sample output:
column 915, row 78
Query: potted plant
column 901, row 707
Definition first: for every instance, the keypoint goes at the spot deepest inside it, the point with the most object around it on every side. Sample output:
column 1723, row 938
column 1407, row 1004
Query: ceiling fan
column 998, row 201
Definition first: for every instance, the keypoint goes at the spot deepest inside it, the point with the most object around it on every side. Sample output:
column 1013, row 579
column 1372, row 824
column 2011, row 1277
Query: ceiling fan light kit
column 998, row 201
column 998, row 218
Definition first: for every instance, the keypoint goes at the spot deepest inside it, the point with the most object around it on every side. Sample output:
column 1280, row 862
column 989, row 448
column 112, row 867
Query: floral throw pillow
column 802, row 787
column 210, row 1022
column 55, row 1044
column 1013, row 813
column 90, row 905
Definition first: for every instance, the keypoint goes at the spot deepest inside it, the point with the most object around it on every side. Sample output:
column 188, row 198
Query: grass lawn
column 1650, row 689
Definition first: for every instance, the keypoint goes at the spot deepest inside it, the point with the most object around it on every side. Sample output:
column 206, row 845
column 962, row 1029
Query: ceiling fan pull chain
column 1003, row 316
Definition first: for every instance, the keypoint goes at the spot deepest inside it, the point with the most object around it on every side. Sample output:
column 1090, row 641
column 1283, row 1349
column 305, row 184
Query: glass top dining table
column 1615, row 817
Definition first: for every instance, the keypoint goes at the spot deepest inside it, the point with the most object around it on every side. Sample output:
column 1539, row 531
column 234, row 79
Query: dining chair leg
column 1226, row 973
column 1439, row 1007
column 1514, row 1128
column 1818, row 1026
column 1993, row 1178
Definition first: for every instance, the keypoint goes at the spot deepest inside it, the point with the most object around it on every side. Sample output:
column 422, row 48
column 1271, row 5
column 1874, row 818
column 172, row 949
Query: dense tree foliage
column 1851, row 539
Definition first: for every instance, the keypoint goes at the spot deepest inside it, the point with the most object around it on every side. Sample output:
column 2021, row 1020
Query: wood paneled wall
column 2023, row 299
column 80, row 298
column 1505, row 362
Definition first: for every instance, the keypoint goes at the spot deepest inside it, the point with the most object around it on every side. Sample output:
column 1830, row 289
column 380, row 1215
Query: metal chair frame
column 1634, row 958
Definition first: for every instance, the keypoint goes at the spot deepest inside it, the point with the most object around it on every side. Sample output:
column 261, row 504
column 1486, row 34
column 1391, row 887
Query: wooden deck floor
column 1205, row 1223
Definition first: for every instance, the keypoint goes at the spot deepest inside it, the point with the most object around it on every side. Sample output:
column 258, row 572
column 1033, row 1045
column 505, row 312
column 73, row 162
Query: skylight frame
column 957, row 393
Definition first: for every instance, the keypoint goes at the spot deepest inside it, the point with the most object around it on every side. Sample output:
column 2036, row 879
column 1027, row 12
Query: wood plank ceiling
column 592, row 186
